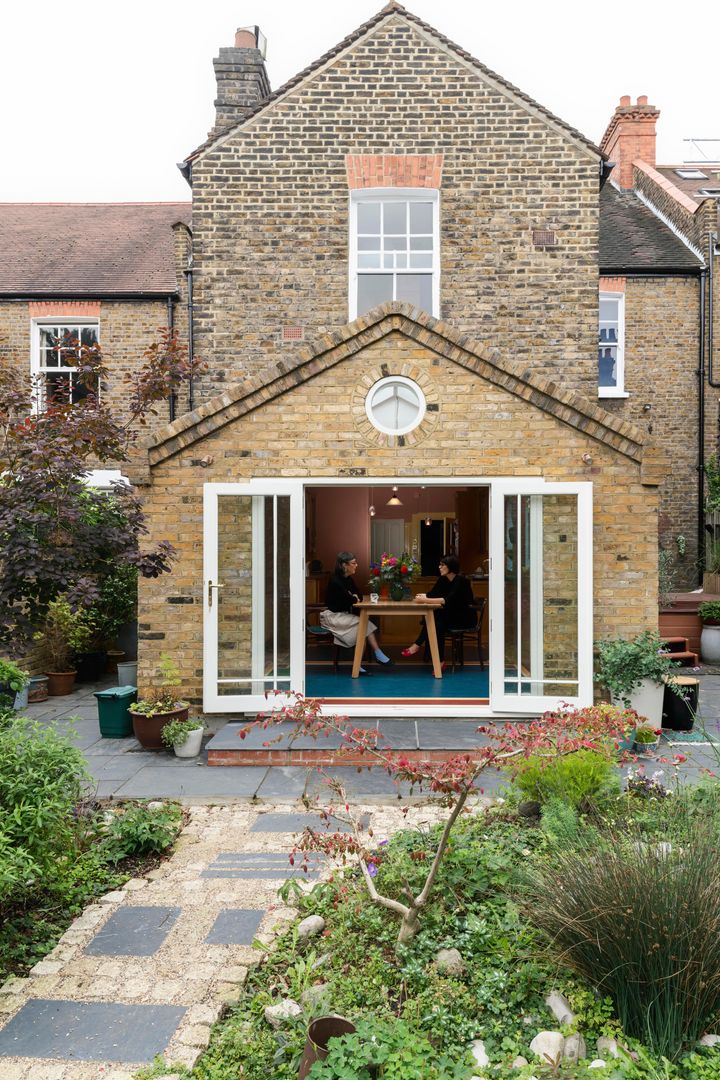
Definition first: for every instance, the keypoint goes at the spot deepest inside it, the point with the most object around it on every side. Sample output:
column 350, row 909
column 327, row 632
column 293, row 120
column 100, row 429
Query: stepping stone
column 235, row 926
column 90, row 1031
column 133, row 931
column 262, row 865
column 295, row 823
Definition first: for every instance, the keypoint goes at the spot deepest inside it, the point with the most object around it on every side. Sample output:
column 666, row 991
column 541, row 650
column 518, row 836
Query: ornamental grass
column 638, row 917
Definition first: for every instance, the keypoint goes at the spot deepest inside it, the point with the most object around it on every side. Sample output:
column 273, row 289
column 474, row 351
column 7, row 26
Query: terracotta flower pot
column 148, row 729
column 60, row 682
column 319, row 1034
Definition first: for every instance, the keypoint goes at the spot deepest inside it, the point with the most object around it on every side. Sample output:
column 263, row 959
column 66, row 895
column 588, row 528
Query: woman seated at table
column 338, row 616
column 456, row 613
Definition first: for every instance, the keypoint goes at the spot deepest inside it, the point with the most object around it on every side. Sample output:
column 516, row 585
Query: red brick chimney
column 630, row 136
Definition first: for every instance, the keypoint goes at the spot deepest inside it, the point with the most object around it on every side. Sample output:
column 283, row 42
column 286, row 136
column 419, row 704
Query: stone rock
column 155, row 804
column 477, row 1047
column 559, row 1006
column 574, row 1048
column 548, row 1045
column 598, row 1063
column 314, row 996
column 310, row 927
column 449, row 962
column 520, row 1062
column 708, row 1040
column 607, row 1047
column 276, row 1015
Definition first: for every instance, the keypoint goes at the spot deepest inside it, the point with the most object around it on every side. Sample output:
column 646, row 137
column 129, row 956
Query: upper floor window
column 611, row 345
column 394, row 248
column 55, row 344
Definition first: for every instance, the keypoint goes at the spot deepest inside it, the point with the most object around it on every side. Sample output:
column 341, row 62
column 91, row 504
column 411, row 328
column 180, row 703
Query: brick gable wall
column 270, row 213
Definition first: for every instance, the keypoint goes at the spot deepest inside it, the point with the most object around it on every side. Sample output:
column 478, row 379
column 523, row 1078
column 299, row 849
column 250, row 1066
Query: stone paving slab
column 277, row 822
column 134, row 931
column 89, row 1031
column 235, row 926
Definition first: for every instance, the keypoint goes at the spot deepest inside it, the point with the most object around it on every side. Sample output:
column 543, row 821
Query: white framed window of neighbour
column 394, row 248
column 611, row 346
column 55, row 342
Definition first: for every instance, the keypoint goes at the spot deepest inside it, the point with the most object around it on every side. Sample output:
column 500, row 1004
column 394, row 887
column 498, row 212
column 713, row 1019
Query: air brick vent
column 544, row 238
column 293, row 333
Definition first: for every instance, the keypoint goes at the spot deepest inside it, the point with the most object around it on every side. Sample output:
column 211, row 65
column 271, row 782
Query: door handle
column 210, row 591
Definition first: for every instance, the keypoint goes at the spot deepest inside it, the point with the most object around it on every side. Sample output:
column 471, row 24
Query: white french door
column 540, row 595
column 254, row 591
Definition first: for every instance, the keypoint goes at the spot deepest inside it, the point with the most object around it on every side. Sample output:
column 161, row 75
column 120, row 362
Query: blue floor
column 397, row 681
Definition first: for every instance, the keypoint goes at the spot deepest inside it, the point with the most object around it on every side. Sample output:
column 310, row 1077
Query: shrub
column 622, row 665
column 41, row 780
column 577, row 779
column 176, row 732
column 137, row 830
column 640, row 921
column 709, row 612
column 385, row 1048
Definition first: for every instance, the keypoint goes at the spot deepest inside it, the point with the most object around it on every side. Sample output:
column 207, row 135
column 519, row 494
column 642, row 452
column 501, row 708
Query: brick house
column 396, row 259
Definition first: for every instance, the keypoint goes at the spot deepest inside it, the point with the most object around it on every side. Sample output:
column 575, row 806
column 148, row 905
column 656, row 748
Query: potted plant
column 393, row 574
column 647, row 739
column 709, row 613
column 159, row 706
column 14, row 685
column 65, row 633
column 635, row 673
column 184, row 736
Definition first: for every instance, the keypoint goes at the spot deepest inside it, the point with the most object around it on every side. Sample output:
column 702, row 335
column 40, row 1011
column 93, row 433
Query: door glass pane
column 254, row 601
column 541, row 595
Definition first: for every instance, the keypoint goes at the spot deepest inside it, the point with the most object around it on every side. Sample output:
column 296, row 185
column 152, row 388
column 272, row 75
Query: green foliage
column 116, row 604
column 136, row 830
column 622, row 665
column 645, row 735
column 577, row 779
column 12, row 676
column 162, row 698
column 667, row 574
column 712, row 477
column 641, row 921
column 176, row 731
column 709, row 612
column 65, row 632
column 389, row 1049
column 160, row 1067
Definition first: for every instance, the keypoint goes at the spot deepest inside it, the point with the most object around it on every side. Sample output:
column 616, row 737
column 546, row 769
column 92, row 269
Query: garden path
column 148, row 968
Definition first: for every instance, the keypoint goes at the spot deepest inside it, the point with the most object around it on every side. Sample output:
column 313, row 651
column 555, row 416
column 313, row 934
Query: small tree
column 453, row 780
column 59, row 537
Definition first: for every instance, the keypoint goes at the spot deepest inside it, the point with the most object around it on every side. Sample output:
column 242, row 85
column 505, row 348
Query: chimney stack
column 630, row 137
column 242, row 81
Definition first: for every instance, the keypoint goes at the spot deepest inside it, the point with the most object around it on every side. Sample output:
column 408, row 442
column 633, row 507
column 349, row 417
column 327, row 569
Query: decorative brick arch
column 394, row 170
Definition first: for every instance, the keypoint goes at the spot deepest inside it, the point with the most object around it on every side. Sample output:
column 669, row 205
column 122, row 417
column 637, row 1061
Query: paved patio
column 122, row 769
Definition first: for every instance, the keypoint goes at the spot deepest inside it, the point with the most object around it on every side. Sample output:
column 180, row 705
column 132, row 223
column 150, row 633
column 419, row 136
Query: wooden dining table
column 397, row 607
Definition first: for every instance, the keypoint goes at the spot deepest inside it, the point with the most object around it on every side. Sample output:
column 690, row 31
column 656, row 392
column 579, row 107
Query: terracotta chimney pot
column 625, row 100
column 245, row 38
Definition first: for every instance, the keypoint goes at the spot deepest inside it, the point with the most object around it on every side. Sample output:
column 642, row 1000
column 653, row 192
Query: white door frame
column 500, row 704
column 255, row 701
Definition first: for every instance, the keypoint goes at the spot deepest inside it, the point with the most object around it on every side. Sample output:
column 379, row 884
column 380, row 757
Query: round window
column 395, row 405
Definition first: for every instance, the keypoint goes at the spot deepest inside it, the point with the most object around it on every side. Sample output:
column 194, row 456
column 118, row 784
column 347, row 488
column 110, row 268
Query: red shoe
column 444, row 665
column 409, row 652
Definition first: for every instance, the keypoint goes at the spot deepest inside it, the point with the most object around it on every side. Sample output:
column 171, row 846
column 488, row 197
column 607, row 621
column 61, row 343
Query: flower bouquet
column 393, row 573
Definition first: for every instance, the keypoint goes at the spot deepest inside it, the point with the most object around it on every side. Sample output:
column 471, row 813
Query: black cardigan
column 457, row 612
column 341, row 593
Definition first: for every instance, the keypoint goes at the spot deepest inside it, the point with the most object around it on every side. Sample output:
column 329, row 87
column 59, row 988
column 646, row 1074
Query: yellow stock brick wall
column 317, row 430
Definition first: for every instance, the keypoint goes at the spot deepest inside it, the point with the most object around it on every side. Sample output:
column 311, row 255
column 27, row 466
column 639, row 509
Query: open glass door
column 254, row 592
column 541, row 595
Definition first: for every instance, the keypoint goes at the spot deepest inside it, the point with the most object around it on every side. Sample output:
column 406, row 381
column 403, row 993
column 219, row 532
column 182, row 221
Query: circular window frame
column 394, row 380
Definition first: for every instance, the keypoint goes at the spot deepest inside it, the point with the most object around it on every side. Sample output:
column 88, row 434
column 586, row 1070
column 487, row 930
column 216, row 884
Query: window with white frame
column 56, row 344
column 611, row 366
column 394, row 248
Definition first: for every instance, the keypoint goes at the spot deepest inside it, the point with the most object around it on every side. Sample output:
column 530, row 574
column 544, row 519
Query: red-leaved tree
column 57, row 535
column 452, row 780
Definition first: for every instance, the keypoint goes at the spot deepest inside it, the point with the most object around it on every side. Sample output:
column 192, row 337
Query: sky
column 100, row 101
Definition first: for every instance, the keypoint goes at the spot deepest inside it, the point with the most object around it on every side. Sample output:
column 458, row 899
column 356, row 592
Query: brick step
column 689, row 659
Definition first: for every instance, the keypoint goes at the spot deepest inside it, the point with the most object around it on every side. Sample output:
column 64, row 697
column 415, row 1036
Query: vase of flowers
column 393, row 574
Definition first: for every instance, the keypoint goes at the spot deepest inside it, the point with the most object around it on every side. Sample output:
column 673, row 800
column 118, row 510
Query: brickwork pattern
column 271, row 216
column 311, row 432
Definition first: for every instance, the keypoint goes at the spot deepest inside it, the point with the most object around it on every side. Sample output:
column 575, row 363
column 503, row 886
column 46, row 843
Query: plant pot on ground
column 184, row 736
column 159, row 706
column 709, row 613
column 647, row 740
column 64, row 634
column 635, row 673
column 13, row 685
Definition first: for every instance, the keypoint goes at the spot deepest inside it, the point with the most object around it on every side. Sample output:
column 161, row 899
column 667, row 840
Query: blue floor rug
column 397, row 681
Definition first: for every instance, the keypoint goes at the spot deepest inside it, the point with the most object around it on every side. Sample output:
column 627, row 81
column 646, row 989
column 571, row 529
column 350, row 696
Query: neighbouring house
column 407, row 274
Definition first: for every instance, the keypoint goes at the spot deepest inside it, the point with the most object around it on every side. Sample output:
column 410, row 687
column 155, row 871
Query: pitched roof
column 632, row 237
column 89, row 249
column 567, row 407
column 390, row 9
column 692, row 188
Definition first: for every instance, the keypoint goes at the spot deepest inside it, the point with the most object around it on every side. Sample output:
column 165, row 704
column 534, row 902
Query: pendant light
column 428, row 519
column 393, row 500
column 371, row 508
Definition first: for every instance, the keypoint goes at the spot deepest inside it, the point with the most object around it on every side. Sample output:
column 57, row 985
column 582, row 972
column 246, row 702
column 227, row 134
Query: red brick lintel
column 42, row 309
column 394, row 170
